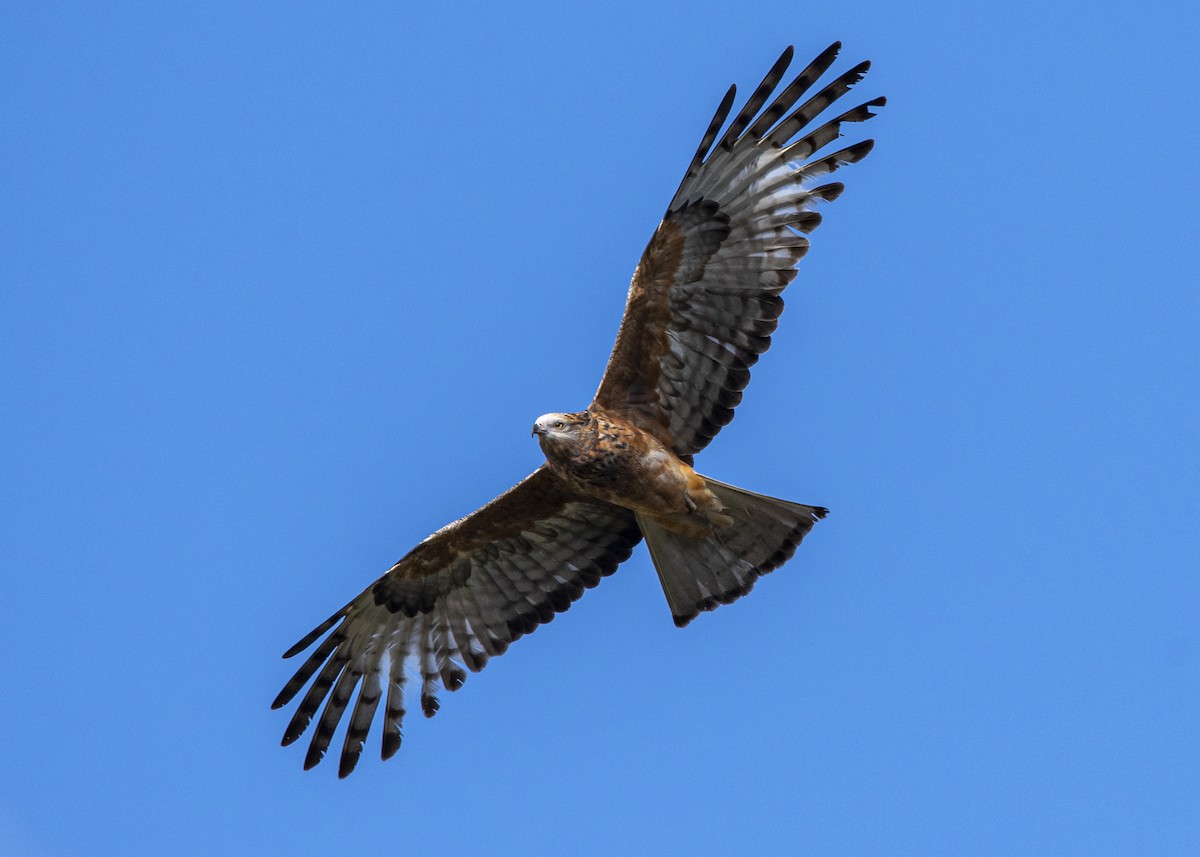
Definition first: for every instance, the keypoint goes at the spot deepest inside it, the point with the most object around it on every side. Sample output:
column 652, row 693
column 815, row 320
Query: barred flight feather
column 736, row 225
column 546, row 546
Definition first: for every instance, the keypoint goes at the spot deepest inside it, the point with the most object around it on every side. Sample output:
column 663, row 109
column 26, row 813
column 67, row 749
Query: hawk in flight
column 702, row 306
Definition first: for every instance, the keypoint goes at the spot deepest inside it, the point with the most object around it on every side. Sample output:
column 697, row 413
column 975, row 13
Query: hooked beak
column 537, row 429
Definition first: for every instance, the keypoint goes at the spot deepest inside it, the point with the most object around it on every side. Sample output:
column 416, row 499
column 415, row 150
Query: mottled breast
column 603, row 460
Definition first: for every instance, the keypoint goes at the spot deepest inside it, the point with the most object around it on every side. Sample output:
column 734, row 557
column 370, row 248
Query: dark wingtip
column 430, row 705
column 826, row 57
column 806, row 222
column 829, row 192
column 311, row 636
column 313, row 757
column 820, row 512
column 454, row 679
column 860, row 150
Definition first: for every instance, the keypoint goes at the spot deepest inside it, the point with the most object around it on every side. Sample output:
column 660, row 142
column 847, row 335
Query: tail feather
column 701, row 574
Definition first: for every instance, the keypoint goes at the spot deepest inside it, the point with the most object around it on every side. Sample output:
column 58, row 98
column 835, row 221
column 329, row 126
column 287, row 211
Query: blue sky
column 283, row 287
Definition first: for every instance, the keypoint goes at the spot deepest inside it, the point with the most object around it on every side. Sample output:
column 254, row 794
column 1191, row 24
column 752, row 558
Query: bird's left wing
column 457, row 599
column 704, row 299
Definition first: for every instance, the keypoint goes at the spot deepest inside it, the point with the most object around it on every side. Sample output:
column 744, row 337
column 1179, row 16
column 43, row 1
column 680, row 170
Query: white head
column 556, row 427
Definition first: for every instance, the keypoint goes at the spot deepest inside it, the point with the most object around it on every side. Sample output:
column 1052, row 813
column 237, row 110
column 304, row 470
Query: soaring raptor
column 701, row 308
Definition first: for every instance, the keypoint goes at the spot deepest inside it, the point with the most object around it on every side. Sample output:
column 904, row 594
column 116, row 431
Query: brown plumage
column 606, row 457
column 704, row 301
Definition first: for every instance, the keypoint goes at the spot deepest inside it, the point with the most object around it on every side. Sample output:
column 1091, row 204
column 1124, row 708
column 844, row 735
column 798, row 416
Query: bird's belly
column 611, row 475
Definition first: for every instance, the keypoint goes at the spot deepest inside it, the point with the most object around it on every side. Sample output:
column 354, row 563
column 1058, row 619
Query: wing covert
column 705, row 297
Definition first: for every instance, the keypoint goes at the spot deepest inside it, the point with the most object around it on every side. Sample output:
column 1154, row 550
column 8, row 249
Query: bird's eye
column 559, row 424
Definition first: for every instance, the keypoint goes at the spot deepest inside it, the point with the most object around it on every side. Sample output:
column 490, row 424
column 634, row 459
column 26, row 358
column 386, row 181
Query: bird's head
column 558, row 428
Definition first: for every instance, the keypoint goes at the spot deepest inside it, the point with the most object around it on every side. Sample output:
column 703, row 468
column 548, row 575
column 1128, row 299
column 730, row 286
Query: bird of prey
column 704, row 301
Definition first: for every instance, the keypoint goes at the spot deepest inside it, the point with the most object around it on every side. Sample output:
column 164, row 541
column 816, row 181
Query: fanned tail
column 701, row 574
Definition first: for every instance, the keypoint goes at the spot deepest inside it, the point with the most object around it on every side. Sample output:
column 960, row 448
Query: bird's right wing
column 457, row 599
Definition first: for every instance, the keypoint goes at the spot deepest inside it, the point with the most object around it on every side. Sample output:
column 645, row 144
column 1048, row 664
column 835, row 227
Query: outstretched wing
column 705, row 296
column 456, row 600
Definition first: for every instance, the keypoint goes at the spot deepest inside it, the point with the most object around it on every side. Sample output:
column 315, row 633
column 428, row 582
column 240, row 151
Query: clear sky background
column 283, row 287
